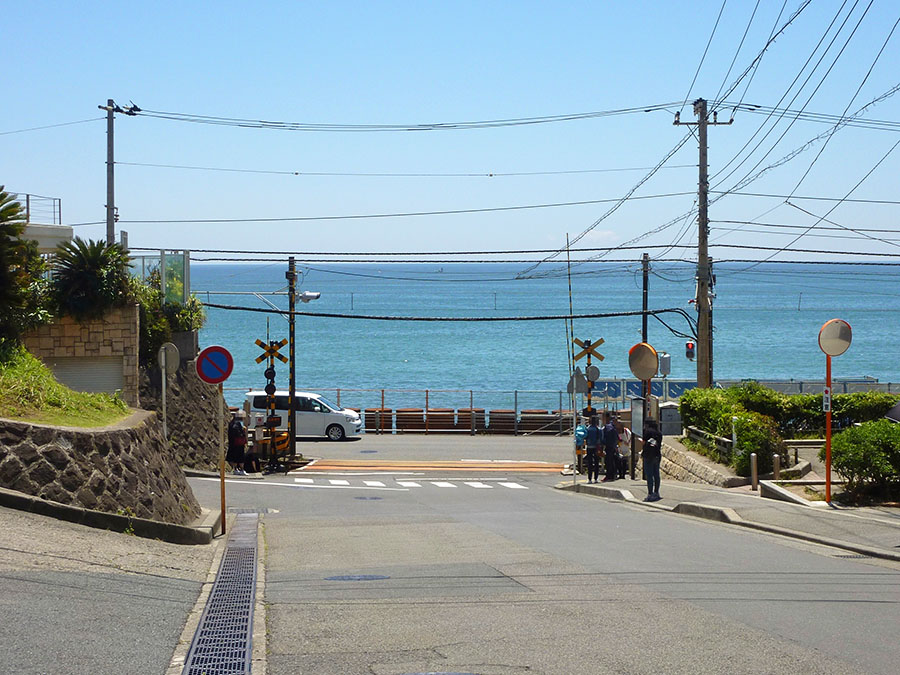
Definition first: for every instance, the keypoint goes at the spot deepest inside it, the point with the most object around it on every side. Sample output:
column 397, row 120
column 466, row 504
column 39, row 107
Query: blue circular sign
column 214, row 364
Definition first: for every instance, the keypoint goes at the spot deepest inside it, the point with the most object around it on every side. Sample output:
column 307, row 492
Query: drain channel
column 222, row 643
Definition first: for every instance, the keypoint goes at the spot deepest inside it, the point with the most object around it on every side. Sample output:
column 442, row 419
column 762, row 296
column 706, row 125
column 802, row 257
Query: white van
column 315, row 415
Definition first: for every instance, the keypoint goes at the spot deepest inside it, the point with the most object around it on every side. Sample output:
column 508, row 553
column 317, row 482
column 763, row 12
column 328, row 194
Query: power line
column 51, row 126
column 375, row 127
column 801, row 227
column 786, row 249
column 705, row 51
column 401, row 253
column 370, row 174
column 407, row 214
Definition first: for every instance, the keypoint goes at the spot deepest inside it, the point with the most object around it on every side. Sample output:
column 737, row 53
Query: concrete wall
column 115, row 335
column 125, row 468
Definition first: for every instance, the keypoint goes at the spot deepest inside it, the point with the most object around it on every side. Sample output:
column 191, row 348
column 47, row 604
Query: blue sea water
column 766, row 321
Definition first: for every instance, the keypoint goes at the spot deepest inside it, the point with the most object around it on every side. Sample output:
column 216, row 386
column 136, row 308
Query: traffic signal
column 689, row 350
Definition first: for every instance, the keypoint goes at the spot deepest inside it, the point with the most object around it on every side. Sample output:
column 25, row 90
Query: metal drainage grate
column 242, row 510
column 222, row 644
column 368, row 499
column 851, row 555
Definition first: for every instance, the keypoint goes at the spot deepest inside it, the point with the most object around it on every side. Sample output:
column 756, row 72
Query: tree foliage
column 90, row 278
column 23, row 288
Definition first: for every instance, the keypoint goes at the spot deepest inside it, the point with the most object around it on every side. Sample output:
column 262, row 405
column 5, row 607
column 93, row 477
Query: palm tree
column 89, row 278
column 20, row 272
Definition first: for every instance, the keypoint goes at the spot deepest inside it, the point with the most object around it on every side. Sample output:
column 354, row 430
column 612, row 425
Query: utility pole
column 704, row 268
column 111, row 108
column 645, row 268
column 291, row 276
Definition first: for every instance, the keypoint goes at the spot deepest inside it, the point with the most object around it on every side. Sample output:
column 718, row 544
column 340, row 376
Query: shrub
column 755, row 433
column 89, row 278
column 159, row 319
column 702, row 407
column 757, row 398
column 867, row 456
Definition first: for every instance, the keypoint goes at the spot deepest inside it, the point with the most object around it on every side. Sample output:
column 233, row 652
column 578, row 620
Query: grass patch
column 29, row 392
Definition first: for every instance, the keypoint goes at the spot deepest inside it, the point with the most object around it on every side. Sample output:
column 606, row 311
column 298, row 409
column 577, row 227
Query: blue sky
column 418, row 62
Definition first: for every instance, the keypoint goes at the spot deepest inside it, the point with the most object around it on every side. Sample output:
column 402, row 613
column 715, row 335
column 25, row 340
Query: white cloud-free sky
column 419, row 63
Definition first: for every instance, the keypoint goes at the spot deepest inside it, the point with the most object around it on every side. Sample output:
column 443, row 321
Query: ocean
column 766, row 317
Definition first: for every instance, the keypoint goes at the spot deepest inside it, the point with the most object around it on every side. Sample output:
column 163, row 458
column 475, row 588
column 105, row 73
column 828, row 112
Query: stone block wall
column 192, row 414
column 126, row 468
column 116, row 334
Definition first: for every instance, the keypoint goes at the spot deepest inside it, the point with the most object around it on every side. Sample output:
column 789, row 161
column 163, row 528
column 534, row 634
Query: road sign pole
column 828, row 430
column 165, row 379
column 222, row 451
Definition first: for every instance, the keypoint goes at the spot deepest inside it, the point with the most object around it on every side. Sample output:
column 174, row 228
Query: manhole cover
column 357, row 577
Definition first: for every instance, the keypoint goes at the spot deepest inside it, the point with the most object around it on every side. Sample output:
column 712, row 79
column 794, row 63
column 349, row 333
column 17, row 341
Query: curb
column 199, row 533
column 730, row 516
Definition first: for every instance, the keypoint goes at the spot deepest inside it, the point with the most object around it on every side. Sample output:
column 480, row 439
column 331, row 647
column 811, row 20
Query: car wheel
column 335, row 432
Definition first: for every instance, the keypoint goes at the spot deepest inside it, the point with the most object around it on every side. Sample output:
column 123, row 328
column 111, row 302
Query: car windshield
column 324, row 401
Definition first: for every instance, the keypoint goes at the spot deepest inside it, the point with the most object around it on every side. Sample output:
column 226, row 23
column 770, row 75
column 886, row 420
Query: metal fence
column 39, row 209
column 522, row 412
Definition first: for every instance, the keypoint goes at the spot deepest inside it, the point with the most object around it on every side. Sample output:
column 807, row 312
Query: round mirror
column 643, row 361
column 834, row 337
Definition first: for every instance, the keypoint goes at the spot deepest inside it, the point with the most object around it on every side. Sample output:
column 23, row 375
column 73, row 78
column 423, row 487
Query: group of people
column 603, row 443
column 242, row 462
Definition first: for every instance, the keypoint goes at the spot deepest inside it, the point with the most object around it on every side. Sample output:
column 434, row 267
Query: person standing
column 580, row 433
column 610, row 439
column 592, row 443
column 651, row 455
column 237, row 443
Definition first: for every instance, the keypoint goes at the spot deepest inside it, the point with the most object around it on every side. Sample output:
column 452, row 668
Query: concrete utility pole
column 645, row 268
column 111, row 108
column 291, row 276
column 705, row 281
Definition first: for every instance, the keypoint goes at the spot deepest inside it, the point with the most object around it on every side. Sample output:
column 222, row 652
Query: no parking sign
column 214, row 364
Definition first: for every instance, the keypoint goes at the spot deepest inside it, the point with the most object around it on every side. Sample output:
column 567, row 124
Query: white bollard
column 754, row 475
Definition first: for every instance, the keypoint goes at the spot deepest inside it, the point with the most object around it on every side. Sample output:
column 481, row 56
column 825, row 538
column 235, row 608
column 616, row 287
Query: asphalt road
column 457, row 572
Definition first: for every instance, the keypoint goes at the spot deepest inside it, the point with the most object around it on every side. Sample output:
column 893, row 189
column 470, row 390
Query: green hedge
column 794, row 414
column 868, row 456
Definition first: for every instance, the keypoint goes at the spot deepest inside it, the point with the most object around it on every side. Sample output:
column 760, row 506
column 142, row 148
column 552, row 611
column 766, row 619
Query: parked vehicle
column 315, row 415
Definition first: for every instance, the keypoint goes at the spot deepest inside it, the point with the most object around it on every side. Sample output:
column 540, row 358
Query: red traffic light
column 689, row 350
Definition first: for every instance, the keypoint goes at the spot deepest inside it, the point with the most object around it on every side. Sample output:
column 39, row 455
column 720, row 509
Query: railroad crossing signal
column 270, row 351
column 588, row 348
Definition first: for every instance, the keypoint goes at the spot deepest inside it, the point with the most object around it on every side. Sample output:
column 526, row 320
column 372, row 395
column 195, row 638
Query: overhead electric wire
column 614, row 207
column 51, row 126
column 755, row 67
column 862, row 233
column 705, row 51
column 796, row 95
column 363, row 216
column 369, row 174
column 376, row 127
column 802, row 227
column 455, row 319
column 738, row 50
column 340, row 254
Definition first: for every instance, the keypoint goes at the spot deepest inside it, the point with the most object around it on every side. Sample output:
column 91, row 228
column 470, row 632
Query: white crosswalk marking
column 515, row 486
column 408, row 483
column 478, row 484
column 339, row 482
column 444, row 484
column 374, row 483
column 303, row 480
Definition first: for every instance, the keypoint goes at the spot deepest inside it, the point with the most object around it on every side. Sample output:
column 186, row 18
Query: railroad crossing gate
column 270, row 351
column 588, row 349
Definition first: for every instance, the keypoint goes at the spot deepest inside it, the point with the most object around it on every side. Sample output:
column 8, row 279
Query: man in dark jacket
column 592, row 443
column 651, row 455
column 610, row 438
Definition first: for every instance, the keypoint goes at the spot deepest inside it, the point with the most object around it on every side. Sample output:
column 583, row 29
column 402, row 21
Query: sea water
column 766, row 317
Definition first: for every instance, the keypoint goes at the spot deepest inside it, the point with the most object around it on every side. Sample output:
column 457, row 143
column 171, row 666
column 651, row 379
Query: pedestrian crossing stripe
column 476, row 484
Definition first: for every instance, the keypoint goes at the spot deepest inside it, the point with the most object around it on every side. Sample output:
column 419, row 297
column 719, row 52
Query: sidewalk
column 868, row 531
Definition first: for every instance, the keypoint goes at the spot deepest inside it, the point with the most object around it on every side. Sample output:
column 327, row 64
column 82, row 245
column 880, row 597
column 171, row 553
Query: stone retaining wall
column 192, row 417
column 122, row 469
column 678, row 464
